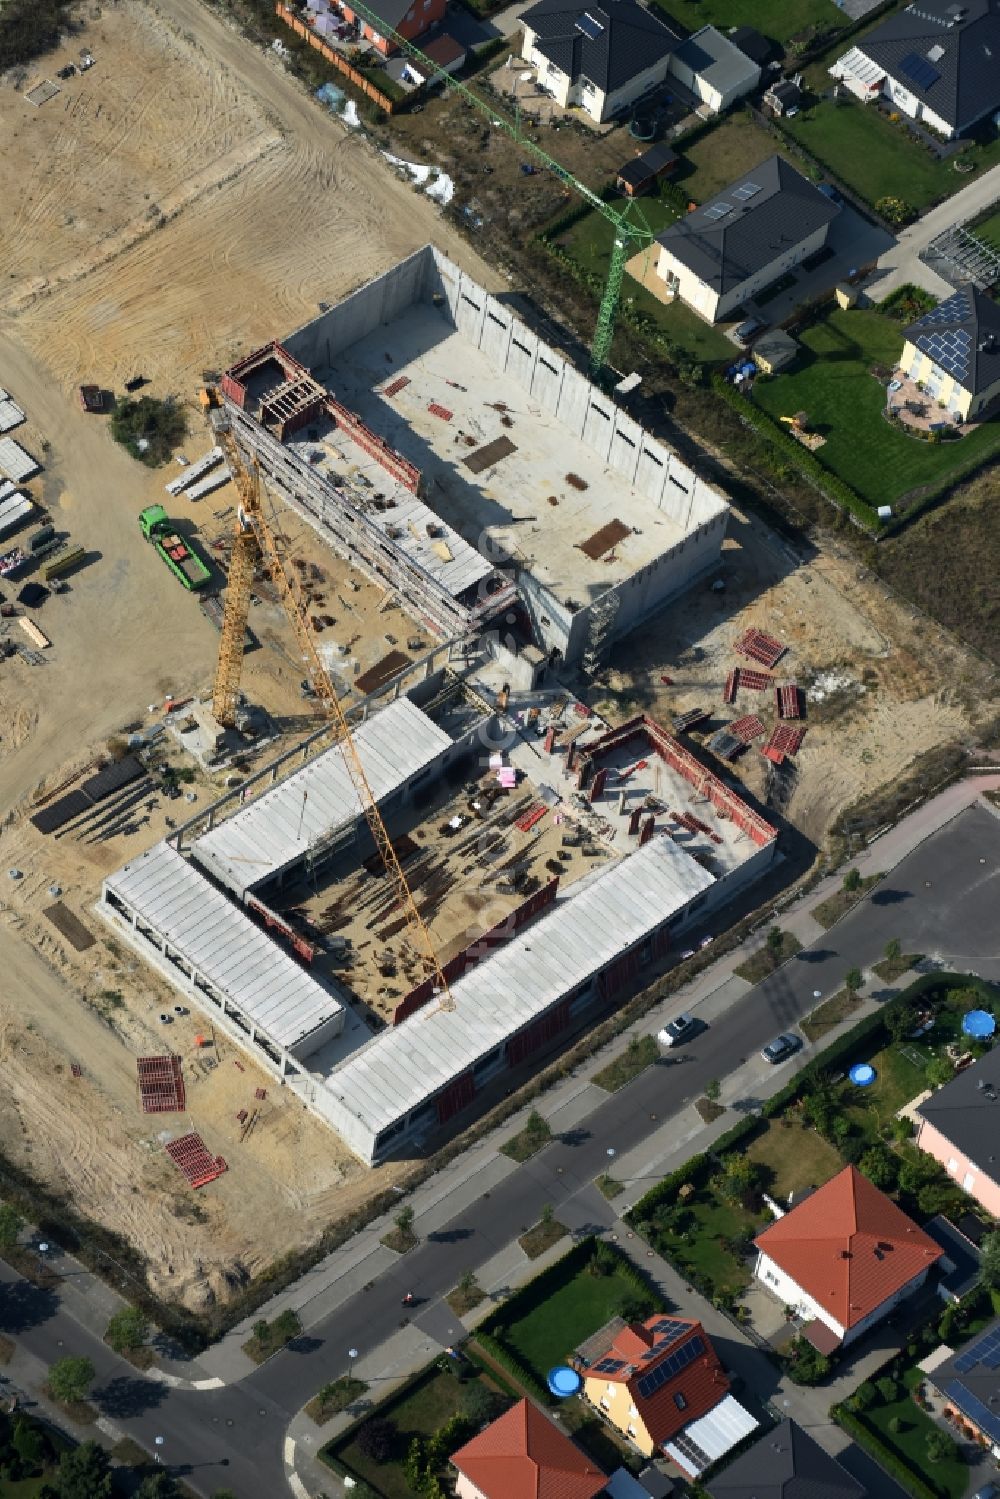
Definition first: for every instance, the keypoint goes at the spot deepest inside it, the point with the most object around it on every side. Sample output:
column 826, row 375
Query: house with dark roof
column 969, row 1381
column 959, row 1125
column 954, row 350
column 844, row 1258
column 741, row 241
column 602, row 57
column 785, row 1464
column 522, row 1455
column 937, row 61
column 410, row 18
column 714, row 70
column 660, row 1384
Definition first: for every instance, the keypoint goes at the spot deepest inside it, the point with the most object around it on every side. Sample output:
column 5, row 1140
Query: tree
column 30, row 1444
column 286, row 1326
column 893, row 950
column 852, row 881
column 864, row 1396
column 989, row 1264
column 158, row 1486
column 940, row 1447
column 535, row 1127
column 479, row 1404
column 150, row 429
column 738, row 1181
column 404, row 1221
column 10, row 1227
column 880, row 1166
column 377, row 1439
column 635, row 1306
column 775, row 945
column 938, row 1072
column 84, row 1473
column 467, row 1283
column 127, row 1330
column 70, row 1379
column 853, row 980
column 712, row 1090
column 898, row 1022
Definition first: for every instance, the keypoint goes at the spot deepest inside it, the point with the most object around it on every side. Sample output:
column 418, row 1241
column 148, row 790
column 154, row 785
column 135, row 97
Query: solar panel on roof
column 590, row 27
column 688, row 1447
column 919, row 70
column 718, row 210
column 609, row 1366
column 668, row 1328
column 746, row 190
column 987, row 1420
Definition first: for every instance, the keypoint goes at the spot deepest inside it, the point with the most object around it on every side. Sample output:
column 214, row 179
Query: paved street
column 940, row 900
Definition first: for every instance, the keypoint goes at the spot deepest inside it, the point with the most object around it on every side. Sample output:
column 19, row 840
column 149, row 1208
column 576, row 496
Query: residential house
column 937, row 61
column 714, row 70
column 442, row 54
column 660, row 1384
column 843, row 1259
column 602, row 58
column 970, row 1382
column 643, row 172
column 522, row 1455
column 410, row 18
column 744, row 239
column 783, row 97
column 785, row 1464
column 955, row 352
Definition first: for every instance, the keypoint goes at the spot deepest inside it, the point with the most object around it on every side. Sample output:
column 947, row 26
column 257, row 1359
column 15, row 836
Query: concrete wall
column 963, row 1171
column 317, row 343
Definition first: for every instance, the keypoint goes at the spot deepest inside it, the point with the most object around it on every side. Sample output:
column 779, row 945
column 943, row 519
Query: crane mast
column 253, row 541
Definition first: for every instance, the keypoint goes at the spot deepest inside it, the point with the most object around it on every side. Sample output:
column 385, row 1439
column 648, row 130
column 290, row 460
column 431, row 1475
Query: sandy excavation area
column 265, row 207
column 881, row 686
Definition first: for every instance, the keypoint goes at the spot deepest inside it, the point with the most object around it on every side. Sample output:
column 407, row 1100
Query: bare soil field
column 881, row 685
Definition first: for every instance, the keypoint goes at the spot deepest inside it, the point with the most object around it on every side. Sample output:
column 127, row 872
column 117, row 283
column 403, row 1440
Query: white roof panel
column 714, row 1434
column 14, row 509
column 277, row 830
column 586, row 930
column 15, row 462
column 11, row 414
column 221, row 941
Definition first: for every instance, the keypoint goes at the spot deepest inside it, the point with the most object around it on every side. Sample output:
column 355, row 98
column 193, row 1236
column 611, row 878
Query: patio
column 915, row 408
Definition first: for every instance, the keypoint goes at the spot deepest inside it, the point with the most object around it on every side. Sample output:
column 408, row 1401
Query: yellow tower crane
column 254, row 540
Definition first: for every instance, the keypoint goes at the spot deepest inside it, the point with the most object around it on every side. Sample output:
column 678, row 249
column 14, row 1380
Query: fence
column 337, row 60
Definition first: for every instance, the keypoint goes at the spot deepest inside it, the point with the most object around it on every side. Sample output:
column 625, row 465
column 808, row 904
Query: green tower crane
column 631, row 231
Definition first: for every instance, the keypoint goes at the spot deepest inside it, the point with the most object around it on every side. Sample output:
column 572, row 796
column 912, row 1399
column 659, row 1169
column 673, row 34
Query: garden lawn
column 900, row 1078
column 844, row 403
column 421, row 1410
column 779, row 19
column 718, row 157
column 910, row 1442
column 875, row 158
column 546, row 1333
column 24, row 1488
column 989, row 230
column 792, row 1157
column 700, row 1249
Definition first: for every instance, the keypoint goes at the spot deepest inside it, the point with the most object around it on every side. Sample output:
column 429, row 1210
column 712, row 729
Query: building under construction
column 434, row 440
column 552, row 860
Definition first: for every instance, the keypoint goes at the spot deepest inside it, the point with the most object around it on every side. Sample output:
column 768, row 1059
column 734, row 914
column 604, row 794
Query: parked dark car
column 781, row 1048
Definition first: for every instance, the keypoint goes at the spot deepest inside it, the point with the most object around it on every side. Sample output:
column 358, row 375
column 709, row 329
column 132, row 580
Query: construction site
column 101, row 290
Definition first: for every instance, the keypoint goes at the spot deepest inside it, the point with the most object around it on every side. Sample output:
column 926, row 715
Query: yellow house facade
column 954, row 352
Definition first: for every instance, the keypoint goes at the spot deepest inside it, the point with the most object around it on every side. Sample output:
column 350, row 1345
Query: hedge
column 513, row 1365
column 883, row 1455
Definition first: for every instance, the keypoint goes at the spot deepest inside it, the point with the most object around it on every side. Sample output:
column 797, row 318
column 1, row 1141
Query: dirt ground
column 267, row 207
column 881, row 684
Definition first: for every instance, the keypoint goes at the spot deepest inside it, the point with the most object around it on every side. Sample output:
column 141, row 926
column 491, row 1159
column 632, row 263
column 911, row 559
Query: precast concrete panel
column 547, row 382
column 678, row 492
column 444, row 281
column 626, row 444
column 651, row 469
column 574, row 401
column 708, row 506
column 521, row 355
column 496, row 333
column 317, row 343
column 471, row 310
column 600, row 425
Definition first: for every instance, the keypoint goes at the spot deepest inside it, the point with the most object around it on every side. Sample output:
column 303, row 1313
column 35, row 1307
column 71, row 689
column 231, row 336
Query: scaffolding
column 603, row 613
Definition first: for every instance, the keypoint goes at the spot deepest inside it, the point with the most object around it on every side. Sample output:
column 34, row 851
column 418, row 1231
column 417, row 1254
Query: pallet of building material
column 38, row 637
column 11, row 414
column 161, row 1085
column 726, row 745
column 437, row 410
column 194, row 471
column 786, row 739
column 190, row 1156
column 757, row 645
column 732, row 686
column 684, row 723
column 69, row 925
column 788, row 700
column 15, row 462
column 756, row 681
column 400, row 383
column 747, row 729
column 533, row 815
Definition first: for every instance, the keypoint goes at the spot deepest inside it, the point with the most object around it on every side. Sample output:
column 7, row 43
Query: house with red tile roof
column 660, row 1384
column 523, row 1456
column 844, row 1258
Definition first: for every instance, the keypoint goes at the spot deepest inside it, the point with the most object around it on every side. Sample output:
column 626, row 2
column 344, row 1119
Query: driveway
column 901, row 263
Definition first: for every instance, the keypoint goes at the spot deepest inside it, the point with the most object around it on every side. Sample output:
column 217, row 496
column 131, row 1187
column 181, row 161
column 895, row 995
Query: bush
column 888, row 1389
column 28, row 28
column 377, row 1439
column 880, row 1166
column 864, row 1396
column 480, row 1405
column 149, row 428
column 940, row 1447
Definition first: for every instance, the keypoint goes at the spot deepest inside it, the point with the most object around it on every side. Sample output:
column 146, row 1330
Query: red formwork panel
column 746, row 729
column 190, row 1155
column 757, row 645
column 161, row 1085
column 757, row 681
column 786, row 739
column 789, row 701
column 732, row 686
column 400, row 383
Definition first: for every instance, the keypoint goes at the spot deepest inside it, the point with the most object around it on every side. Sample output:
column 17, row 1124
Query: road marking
column 290, row 1451
column 208, row 1384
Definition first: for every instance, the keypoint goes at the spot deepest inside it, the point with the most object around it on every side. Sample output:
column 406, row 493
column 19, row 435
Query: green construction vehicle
column 185, row 564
